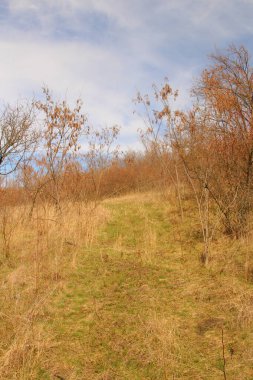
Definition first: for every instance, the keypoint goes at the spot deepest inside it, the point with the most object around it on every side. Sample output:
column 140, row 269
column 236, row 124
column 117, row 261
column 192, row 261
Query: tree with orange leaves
column 62, row 130
column 214, row 140
column 220, row 135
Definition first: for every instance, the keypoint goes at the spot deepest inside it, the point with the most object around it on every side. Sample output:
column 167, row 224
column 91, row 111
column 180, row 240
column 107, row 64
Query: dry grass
column 36, row 255
column 118, row 293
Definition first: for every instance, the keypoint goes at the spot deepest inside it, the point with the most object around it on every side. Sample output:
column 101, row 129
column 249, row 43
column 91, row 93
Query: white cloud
column 107, row 60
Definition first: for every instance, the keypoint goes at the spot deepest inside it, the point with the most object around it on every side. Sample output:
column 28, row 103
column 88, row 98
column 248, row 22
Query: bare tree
column 100, row 154
column 214, row 140
column 219, row 136
column 18, row 136
column 61, row 133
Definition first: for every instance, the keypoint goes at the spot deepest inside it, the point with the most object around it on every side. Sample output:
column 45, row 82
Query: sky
column 105, row 51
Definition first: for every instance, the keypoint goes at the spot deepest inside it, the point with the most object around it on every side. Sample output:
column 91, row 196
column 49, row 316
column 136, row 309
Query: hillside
column 137, row 304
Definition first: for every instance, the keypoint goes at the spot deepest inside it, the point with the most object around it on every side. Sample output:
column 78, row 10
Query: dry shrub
column 10, row 219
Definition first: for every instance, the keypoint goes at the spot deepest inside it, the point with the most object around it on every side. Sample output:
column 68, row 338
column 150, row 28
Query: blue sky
column 104, row 51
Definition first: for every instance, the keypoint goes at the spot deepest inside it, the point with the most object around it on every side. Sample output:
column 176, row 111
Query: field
column 118, row 292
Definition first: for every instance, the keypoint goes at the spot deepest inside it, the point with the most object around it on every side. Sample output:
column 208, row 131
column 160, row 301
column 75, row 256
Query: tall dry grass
column 36, row 253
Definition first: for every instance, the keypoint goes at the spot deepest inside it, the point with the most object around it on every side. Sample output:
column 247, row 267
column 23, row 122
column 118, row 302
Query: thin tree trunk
column 206, row 224
column 179, row 194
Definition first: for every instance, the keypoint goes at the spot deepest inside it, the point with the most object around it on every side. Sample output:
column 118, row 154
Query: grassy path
column 139, row 306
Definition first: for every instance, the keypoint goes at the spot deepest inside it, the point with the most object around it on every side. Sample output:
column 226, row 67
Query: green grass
column 139, row 305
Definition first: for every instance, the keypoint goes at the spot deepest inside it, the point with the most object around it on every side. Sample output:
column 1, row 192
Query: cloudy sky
column 104, row 51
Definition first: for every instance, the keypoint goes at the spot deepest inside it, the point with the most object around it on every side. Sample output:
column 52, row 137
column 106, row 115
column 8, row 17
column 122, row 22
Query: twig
column 223, row 354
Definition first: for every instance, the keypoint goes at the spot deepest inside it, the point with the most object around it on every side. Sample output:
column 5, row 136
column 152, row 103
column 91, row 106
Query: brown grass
column 40, row 251
column 118, row 292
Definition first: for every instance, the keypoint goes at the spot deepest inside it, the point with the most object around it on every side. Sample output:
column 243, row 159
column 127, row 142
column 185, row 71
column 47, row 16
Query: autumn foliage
column 208, row 148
